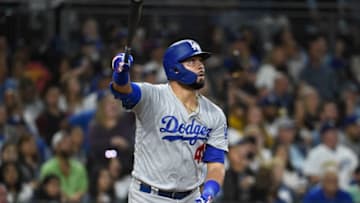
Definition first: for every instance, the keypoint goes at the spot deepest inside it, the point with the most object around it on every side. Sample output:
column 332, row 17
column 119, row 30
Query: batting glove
column 119, row 65
column 211, row 188
column 201, row 199
column 121, row 68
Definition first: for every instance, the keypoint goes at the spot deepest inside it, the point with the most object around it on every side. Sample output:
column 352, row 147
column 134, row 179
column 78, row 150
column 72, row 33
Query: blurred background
column 286, row 74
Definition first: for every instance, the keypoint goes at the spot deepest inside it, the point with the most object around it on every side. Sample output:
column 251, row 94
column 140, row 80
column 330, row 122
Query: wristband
column 121, row 78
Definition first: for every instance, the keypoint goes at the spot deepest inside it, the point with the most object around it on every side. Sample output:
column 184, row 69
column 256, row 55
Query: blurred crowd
column 292, row 107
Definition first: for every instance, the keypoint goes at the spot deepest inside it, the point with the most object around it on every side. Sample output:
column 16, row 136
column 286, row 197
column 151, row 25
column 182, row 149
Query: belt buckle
column 154, row 190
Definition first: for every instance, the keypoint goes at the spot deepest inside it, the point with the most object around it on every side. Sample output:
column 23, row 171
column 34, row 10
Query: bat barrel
column 134, row 18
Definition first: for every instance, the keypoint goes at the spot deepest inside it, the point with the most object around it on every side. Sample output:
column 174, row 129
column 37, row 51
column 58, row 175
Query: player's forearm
column 216, row 171
column 214, row 180
column 123, row 89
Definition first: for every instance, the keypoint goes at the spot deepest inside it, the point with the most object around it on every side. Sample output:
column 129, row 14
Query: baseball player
column 181, row 138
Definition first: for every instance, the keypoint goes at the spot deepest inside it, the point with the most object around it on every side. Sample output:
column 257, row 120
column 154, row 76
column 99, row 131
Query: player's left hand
column 202, row 199
column 120, row 65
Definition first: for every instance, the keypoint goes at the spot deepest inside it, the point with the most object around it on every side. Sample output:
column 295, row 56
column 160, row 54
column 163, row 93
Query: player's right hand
column 201, row 199
column 119, row 65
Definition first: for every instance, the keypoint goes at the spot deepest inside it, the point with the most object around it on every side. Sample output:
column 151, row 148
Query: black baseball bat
column 134, row 19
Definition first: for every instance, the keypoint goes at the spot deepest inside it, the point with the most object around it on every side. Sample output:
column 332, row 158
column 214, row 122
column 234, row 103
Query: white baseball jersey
column 322, row 156
column 170, row 142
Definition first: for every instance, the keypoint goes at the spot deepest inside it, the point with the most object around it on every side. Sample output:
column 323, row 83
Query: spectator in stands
column 261, row 153
column 280, row 192
column 5, row 81
column 10, row 175
column 52, row 117
column 155, row 63
column 29, row 159
column 9, row 152
column 236, row 117
column 90, row 33
column 72, row 101
column 255, row 117
column 282, row 94
column 328, row 191
column 317, row 73
column 3, row 194
column 329, row 112
column 270, row 110
column 15, row 116
column 354, row 188
column 261, row 191
column 286, row 133
column 240, row 88
column 330, row 151
column 121, row 181
column 291, row 179
column 77, row 140
column 149, row 75
column 32, row 105
column 102, row 187
column 307, row 108
column 350, row 99
column 296, row 59
column 113, row 129
column 274, row 63
column 72, row 174
column 351, row 138
column 3, row 125
column 339, row 61
column 48, row 190
column 239, row 179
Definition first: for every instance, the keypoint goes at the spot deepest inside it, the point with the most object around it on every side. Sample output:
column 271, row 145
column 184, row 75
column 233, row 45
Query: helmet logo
column 195, row 46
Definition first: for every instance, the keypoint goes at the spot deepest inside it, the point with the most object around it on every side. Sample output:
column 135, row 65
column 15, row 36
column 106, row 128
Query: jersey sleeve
column 149, row 97
column 311, row 165
column 218, row 138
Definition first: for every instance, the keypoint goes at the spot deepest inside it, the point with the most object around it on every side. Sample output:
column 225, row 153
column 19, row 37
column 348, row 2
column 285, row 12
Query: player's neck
column 187, row 96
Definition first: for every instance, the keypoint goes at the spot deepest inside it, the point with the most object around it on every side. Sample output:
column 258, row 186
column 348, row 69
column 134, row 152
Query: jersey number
column 199, row 153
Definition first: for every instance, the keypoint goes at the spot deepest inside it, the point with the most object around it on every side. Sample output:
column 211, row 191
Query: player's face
column 196, row 65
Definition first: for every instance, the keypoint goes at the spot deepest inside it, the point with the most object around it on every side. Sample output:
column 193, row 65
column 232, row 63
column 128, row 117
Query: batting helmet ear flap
column 176, row 70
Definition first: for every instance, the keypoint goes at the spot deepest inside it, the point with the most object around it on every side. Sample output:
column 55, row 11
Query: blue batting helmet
column 177, row 53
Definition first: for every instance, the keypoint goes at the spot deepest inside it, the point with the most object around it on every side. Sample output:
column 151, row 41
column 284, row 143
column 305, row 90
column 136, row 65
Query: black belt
column 169, row 194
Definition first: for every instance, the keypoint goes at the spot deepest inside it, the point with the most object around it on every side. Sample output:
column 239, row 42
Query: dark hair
column 288, row 164
column 48, row 178
column 313, row 37
column 49, row 87
column 3, row 167
column 41, row 194
column 94, row 185
column 6, row 145
column 23, row 139
column 263, row 181
column 326, row 102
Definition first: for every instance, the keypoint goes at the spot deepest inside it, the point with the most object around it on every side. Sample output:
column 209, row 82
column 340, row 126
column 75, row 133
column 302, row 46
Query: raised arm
column 121, row 86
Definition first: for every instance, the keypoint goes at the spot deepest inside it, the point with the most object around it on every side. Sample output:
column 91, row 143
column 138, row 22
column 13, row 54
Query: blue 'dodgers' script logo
column 191, row 132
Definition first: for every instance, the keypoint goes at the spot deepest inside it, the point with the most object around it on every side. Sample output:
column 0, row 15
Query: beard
column 195, row 86
column 65, row 154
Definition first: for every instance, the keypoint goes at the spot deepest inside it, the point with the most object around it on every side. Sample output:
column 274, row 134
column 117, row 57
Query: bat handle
column 127, row 53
